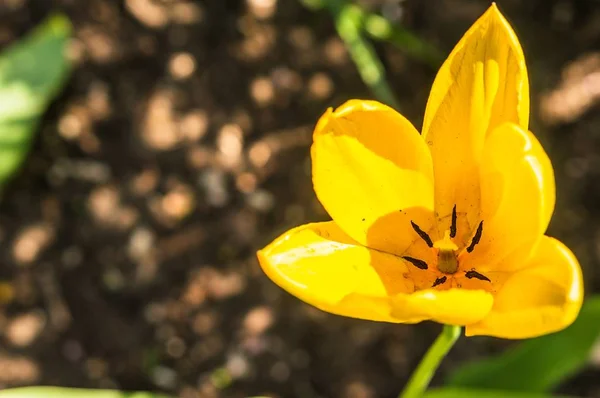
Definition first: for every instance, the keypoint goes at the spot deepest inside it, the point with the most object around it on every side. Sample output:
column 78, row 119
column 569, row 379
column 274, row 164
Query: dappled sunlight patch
column 101, row 46
column 174, row 206
column 258, row 40
column 22, row 330
column 320, row 86
column 186, row 12
column 99, row 101
column 182, row 65
column 262, row 9
column 262, row 91
column 178, row 203
column 194, row 125
column 576, row 93
column 335, row 52
column 204, row 322
column 230, row 142
column 75, row 120
column 246, row 182
column 31, row 241
column 18, row 370
column 221, row 285
column 144, row 182
column 302, row 37
column 151, row 13
column 159, row 129
column 158, row 14
column 258, row 320
column 199, row 157
column 105, row 205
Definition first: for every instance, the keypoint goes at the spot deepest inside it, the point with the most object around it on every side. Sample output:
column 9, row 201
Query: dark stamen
column 439, row 281
column 476, row 238
column 474, row 274
column 453, row 226
column 422, row 234
column 416, row 262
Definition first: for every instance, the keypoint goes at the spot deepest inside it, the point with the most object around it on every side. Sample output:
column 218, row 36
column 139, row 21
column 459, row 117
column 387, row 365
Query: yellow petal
column 321, row 265
column 542, row 298
column 481, row 85
column 373, row 174
column 517, row 199
column 453, row 306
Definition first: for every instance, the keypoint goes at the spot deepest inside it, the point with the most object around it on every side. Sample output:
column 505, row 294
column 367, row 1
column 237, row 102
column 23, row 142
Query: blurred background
column 180, row 145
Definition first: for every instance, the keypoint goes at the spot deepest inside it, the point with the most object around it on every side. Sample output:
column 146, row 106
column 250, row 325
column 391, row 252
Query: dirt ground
column 180, row 146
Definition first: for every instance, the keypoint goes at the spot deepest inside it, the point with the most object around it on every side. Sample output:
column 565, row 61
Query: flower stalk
column 419, row 381
column 348, row 23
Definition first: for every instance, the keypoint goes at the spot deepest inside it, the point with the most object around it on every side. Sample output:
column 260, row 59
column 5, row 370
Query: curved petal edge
column 368, row 152
column 542, row 298
column 321, row 265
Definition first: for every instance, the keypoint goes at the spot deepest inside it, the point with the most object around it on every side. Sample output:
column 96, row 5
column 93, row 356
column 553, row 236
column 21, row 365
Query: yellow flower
column 447, row 225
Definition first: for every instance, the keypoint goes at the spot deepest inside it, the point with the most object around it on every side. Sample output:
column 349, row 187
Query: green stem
column 379, row 28
column 419, row 381
column 348, row 22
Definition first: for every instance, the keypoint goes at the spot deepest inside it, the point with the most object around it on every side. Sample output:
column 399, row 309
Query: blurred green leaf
column 314, row 5
column 380, row 28
column 469, row 393
column 539, row 364
column 32, row 71
column 57, row 392
column 348, row 20
column 221, row 378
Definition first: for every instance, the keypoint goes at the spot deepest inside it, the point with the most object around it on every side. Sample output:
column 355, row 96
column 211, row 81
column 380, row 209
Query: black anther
column 422, row 234
column 416, row 262
column 474, row 274
column 476, row 238
column 439, row 281
column 453, row 226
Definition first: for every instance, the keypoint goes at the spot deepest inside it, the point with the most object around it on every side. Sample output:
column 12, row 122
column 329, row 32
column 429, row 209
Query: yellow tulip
column 447, row 225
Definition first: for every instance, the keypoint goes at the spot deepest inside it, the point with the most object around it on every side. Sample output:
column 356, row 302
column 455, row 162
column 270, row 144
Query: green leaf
column 314, row 5
column 380, row 28
column 348, row 19
column 57, row 392
column 469, row 393
column 539, row 364
column 32, row 72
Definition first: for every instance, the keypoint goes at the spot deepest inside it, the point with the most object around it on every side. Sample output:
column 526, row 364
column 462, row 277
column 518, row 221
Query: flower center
column 448, row 253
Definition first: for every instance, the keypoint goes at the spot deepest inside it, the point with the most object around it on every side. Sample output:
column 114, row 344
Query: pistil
column 447, row 260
